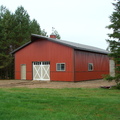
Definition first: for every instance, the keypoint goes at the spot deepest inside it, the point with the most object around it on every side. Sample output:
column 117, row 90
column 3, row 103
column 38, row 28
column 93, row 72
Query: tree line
column 15, row 30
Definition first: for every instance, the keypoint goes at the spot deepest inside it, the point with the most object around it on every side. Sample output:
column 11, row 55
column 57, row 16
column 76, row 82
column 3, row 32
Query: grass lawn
column 59, row 104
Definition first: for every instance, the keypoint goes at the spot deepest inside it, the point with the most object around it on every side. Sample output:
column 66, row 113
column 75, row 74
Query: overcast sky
column 81, row 21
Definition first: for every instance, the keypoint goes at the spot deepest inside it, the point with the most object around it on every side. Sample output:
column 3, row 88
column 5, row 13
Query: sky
column 80, row 21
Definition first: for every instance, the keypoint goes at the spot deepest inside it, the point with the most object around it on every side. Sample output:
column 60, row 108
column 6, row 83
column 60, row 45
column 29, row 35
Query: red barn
column 52, row 59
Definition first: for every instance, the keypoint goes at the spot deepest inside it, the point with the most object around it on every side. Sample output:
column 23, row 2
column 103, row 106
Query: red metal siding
column 43, row 50
column 100, row 64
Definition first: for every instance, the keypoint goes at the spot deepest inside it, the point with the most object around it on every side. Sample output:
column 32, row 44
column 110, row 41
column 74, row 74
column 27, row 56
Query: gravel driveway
column 48, row 84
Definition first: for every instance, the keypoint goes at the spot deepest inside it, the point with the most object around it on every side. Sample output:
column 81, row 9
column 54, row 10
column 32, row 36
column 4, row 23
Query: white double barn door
column 41, row 70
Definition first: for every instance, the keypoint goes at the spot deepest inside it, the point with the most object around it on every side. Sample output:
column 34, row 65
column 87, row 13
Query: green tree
column 114, row 41
column 44, row 33
column 35, row 27
column 22, row 26
column 6, row 32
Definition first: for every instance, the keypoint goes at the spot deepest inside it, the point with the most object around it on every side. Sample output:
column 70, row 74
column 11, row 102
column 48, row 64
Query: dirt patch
column 48, row 84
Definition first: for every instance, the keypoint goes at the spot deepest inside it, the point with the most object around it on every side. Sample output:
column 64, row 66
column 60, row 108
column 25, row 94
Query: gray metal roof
column 73, row 45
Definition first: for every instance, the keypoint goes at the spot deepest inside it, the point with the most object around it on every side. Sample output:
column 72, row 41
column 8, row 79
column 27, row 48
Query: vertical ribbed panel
column 100, row 65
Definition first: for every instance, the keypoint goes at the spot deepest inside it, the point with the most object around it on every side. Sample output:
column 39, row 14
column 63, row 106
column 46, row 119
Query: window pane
column 90, row 67
column 62, row 66
column 58, row 67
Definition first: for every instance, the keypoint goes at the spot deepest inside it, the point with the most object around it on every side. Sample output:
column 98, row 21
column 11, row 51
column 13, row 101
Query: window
column 41, row 63
column 60, row 66
column 90, row 66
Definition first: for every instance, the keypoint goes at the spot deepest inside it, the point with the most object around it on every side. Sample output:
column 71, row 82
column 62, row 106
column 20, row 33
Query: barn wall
column 100, row 65
column 43, row 50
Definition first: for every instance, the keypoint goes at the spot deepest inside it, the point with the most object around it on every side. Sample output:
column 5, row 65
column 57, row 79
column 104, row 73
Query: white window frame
column 89, row 67
column 60, row 67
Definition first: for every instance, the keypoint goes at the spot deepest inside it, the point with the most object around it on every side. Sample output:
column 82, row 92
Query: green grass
column 59, row 104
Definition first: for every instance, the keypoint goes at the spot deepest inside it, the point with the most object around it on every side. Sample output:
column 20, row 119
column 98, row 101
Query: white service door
column 112, row 67
column 23, row 72
column 41, row 70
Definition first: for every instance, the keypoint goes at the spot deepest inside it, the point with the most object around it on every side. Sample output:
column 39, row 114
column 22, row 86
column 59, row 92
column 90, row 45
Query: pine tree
column 6, row 32
column 44, row 33
column 22, row 26
column 35, row 27
column 114, row 41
